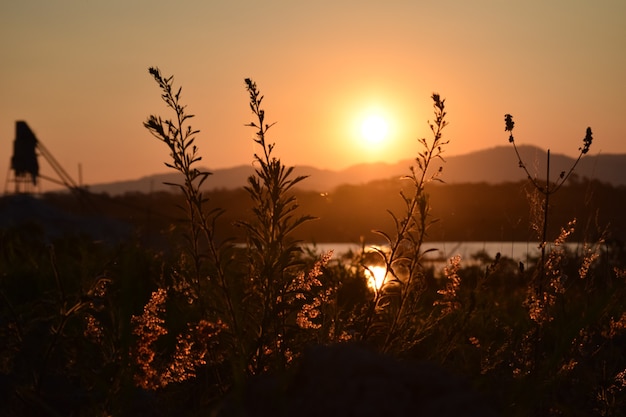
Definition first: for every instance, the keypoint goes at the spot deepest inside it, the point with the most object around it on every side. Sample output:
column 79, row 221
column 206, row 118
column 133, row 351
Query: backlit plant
column 276, row 299
column 395, row 316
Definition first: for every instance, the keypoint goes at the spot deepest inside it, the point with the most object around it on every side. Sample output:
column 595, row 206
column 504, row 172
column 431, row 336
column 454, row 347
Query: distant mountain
column 500, row 164
column 495, row 165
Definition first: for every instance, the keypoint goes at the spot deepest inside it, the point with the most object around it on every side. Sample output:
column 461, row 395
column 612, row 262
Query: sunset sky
column 77, row 72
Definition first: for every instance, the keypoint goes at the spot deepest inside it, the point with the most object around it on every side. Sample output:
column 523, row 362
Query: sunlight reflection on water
column 375, row 276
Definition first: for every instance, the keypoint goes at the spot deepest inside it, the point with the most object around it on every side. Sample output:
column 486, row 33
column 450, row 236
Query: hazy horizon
column 532, row 153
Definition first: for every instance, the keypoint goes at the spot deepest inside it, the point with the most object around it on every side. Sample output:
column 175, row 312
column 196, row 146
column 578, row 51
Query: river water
column 442, row 251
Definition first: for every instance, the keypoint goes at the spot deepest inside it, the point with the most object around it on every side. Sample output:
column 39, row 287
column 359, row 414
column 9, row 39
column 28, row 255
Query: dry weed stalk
column 208, row 256
column 547, row 189
column 395, row 306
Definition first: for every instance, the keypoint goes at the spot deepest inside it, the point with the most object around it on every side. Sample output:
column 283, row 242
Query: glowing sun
column 374, row 129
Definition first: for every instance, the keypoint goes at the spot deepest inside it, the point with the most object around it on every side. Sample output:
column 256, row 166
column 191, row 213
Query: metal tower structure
column 24, row 169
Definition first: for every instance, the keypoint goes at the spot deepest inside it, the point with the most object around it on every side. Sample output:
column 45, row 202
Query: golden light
column 375, row 275
column 374, row 129
column 371, row 127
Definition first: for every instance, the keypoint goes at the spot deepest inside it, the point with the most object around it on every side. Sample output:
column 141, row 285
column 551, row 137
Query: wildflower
column 474, row 341
column 615, row 327
column 582, row 342
column 181, row 285
column 338, row 336
column 93, row 329
column 539, row 304
column 538, row 308
column 620, row 379
column 590, row 255
column 304, row 284
column 307, row 313
column 449, row 293
column 192, row 350
column 568, row 367
column 155, row 73
column 148, row 327
column 289, row 355
column 587, row 141
column 565, row 233
column 100, row 287
column 509, row 124
column 439, row 103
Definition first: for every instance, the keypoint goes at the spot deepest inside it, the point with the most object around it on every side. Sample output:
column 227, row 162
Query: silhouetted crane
column 25, row 166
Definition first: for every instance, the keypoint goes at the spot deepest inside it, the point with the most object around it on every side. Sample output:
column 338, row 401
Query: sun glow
column 374, row 129
column 371, row 128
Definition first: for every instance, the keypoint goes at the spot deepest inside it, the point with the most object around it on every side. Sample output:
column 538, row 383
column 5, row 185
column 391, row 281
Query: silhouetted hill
column 493, row 166
column 500, row 164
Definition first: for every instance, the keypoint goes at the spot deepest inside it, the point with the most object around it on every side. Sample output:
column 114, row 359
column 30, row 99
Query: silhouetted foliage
column 213, row 306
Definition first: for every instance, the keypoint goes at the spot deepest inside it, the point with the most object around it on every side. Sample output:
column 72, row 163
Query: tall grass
column 396, row 314
column 258, row 305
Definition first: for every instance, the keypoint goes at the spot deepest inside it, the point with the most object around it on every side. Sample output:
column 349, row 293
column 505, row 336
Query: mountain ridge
column 493, row 166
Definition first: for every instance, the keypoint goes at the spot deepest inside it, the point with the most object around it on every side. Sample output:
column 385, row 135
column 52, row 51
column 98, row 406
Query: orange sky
column 76, row 71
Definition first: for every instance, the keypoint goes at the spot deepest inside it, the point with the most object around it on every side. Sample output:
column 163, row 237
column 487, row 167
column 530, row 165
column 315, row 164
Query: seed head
column 509, row 124
column 587, row 141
